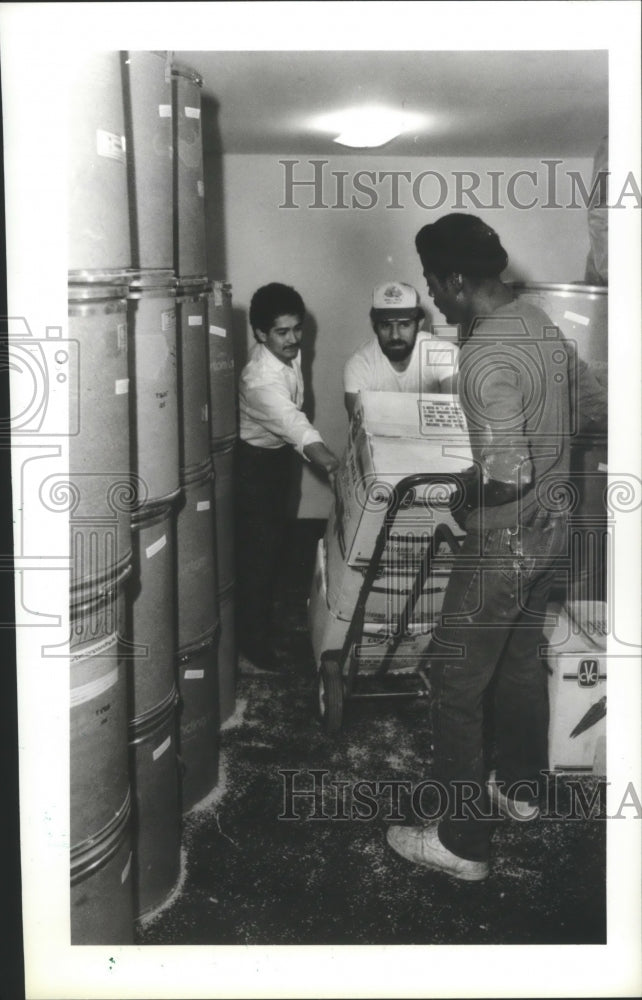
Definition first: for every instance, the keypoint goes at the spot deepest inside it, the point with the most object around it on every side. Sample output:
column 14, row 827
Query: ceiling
column 527, row 103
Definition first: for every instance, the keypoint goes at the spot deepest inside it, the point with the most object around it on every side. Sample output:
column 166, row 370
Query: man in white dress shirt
column 401, row 357
column 271, row 425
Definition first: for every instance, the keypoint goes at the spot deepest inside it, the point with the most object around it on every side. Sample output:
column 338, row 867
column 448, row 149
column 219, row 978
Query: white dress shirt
column 270, row 401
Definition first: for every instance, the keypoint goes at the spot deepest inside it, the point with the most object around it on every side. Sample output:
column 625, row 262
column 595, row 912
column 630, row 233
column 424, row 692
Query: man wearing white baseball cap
column 401, row 357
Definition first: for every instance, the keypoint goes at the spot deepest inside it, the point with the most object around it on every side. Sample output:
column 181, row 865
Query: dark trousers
column 262, row 481
column 491, row 632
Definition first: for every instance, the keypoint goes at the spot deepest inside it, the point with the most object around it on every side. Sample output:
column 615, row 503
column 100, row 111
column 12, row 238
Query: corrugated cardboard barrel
column 156, row 807
column 99, row 454
column 102, row 898
column 194, row 444
column 223, row 461
column 148, row 122
column 227, row 657
column 97, row 169
column 152, row 676
column 580, row 311
column 99, row 773
column 197, row 589
column 154, row 385
column 221, row 365
column 190, row 257
column 199, row 721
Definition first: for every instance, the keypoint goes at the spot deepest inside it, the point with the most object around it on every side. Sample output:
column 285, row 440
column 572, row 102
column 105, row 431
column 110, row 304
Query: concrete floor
column 250, row 877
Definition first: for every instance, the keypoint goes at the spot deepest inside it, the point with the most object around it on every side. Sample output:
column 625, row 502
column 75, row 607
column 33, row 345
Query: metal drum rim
column 552, row 286
column 200, row 473
column 184, row 656
column 93, row 843
column 167, row 498
column 187, row 74
column 108, row 586
column 140, row 729
column 200, row 642
column 150, row 514
column 188, row 289
column 92, row 276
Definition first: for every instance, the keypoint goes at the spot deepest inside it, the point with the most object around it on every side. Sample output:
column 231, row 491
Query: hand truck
column 339, row 668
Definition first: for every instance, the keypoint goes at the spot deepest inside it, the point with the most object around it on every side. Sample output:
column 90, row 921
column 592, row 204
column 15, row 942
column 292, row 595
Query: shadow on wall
column 213, row 181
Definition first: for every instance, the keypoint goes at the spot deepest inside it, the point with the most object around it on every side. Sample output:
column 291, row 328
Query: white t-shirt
column 431, row 363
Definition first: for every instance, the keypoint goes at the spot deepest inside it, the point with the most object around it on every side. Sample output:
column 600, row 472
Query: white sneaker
column 518, row 809
column 422, row 846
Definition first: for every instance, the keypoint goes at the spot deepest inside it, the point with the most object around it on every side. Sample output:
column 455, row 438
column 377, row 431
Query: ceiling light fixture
column 368, row 127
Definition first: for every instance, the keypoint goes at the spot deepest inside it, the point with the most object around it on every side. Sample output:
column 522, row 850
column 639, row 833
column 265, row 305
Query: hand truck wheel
column 330, row 690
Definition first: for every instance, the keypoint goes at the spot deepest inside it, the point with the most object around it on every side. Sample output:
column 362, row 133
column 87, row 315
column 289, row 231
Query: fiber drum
column 152, row 676
column 152, row 330
column 148, row 121
column 99, row 454
column 227, row 656
column 99, row 773
column 194, row 452
column 223, row 461
column 221, row 364
column 580, row 311
column 199, row 722
column 189, row 191
column 156, row 811
column 196, row 559
column 102, row 898
column 98, row 202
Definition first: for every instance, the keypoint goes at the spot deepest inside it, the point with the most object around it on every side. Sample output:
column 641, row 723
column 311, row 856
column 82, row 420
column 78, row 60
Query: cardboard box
column 577, row 688
column 389, row 592
column 328, row 631
column 393, row 435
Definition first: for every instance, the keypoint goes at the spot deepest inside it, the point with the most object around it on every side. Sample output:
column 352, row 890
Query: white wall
column 334, row 256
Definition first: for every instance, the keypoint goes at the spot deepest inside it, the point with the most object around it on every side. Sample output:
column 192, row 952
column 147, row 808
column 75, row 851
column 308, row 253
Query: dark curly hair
column 461, row 243
column 271, row 301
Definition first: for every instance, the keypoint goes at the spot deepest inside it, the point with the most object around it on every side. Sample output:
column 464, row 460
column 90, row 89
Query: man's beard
column 398, row 350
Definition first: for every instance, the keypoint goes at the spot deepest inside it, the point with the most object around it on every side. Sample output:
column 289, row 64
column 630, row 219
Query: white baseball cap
column 395, row 297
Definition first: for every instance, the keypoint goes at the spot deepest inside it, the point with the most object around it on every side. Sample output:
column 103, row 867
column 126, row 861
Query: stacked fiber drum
column 144, row 588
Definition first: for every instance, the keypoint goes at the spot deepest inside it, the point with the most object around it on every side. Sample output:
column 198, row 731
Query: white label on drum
column 203, row 505
column 577, row 318
column 121, row 386
column 110, row 145
column 125, row 872
column 194, row 675
column 200, row 187
column 156, row 546
column 218, row 331
column 87, row 692
column 164, row 111
column 192, row 112
column 160, row 750
column 195, row 321
column 602, row 467
column 168, row 319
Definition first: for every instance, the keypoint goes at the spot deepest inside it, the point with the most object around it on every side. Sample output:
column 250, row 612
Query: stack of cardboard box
column 392, row 435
